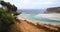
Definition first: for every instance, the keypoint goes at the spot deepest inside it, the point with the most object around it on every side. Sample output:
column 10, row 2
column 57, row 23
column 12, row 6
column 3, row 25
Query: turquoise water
column 35, row 18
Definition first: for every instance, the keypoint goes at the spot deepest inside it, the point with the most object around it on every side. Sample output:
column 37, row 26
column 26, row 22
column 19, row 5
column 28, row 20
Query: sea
column 51, row 18
column 38, row 15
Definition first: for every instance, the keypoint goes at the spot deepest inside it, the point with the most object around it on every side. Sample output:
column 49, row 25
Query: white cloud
column 33, row 3
column 25, row 1
column 48, row 2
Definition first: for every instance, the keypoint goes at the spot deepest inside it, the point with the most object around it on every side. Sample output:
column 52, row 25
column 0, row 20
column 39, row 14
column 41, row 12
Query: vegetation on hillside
column 11, row 8
column 6, row 17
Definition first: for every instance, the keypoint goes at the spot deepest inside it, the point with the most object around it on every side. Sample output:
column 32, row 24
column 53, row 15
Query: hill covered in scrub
column 53, row 10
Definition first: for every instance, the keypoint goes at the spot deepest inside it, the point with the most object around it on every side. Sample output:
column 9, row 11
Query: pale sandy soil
column 26, row 27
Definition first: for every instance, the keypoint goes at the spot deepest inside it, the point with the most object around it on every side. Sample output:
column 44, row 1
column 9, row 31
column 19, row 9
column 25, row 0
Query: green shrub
column 6, row 19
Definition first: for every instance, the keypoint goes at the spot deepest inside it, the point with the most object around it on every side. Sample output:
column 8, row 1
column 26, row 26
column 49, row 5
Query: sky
column 34, row 4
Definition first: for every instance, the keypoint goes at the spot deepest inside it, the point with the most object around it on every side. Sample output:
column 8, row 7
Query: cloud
column 35, row 4
column 32, row 4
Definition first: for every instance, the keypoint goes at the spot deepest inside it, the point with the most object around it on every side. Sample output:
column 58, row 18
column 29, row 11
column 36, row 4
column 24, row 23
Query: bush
column 6, row 19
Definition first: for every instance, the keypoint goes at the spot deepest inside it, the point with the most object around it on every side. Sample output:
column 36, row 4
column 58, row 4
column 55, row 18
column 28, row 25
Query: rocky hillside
column 53, row 10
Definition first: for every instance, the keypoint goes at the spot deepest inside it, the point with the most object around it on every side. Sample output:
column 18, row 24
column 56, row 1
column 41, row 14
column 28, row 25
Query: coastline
column 27, row 25
column 35, row 18
column 20, row 18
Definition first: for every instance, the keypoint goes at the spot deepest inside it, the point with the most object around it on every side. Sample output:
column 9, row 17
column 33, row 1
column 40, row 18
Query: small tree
column 11, row 8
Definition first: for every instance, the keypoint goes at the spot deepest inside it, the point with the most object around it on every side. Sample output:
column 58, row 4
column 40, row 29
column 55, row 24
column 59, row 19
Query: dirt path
column 26, row 27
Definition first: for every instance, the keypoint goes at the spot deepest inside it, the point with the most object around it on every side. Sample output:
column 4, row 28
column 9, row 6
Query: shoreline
column 20, row 18
column 37, row 24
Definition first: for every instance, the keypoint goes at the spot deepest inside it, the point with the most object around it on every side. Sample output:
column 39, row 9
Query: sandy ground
column 26, row 27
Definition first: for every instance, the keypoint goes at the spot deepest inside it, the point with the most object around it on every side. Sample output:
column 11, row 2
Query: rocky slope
column 53, row 10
